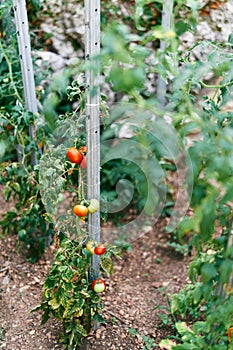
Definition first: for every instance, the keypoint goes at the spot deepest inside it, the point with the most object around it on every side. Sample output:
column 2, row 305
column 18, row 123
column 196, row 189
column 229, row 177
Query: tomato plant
column 209, row 297
column 68, row 294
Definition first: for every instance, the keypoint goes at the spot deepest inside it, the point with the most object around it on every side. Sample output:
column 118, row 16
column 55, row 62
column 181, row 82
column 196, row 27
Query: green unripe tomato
column 90, row 246
column 93, row 206
column 98, row 285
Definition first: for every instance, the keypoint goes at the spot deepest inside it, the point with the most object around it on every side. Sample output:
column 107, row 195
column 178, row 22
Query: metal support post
column 23, row 37
column 166, row 24
column 92, row 48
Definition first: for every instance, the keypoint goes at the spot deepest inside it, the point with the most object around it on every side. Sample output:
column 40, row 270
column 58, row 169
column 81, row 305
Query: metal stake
column 22, row 28
column 92, row 48
column 166, row 23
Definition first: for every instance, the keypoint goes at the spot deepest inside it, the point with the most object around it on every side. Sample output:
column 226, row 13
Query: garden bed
column 131, row 302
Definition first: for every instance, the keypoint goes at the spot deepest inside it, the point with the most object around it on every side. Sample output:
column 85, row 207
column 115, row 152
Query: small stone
column 139, row 339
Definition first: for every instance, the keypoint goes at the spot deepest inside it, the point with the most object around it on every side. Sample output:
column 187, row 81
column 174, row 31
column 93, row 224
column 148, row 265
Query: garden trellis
column 24, row 44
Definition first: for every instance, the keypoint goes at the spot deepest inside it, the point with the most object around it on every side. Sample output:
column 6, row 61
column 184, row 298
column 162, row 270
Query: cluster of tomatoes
column 82, row 210
column 78, row 156
column 98, row 285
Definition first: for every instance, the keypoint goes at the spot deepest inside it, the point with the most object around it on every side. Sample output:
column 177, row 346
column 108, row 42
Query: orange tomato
column 74, row 155
column 229, row 334
column 80, row 210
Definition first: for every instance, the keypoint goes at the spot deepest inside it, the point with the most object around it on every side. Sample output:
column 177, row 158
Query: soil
column 132, row 302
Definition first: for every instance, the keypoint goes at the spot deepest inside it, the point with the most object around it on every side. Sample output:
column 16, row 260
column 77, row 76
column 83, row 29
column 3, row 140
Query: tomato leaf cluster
column 27, row 216
column 67, row 292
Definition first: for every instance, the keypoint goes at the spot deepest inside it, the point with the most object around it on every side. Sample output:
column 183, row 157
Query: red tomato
column 98, row 285
column 83, row 164
column 100, row 249
column 9, row 127
column 80, row 210
column 74, row 155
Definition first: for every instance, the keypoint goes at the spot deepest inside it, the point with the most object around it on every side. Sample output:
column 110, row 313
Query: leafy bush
column 210, row 226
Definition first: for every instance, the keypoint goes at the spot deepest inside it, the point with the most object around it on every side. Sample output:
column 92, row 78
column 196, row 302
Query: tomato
column 74, row 155
column 229, row 334
column 98, row 285
column 80, row 210
column 83, row 163
column 40, row 144
column 83, row 150
column 9, row 127
column 100, row 249
column 93, row 206
column 91, row 246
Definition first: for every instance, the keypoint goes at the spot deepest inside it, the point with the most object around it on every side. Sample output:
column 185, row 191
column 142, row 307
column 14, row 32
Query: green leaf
column 208, row 272
column 3, row 147
column 37, row 308
column 230, row 38
column 99, row 318
column 181, row 27
column 197, row 295
column 200, row 327
column 49, row 108
column 22, row 235
column 50, row 283
column 80, row 329
column 45, row 316
column 7, row 192
column 127, row 79
column 226, row 269
column 182, row 328
column 106, row 264
column 167, row 344
column 16, row 187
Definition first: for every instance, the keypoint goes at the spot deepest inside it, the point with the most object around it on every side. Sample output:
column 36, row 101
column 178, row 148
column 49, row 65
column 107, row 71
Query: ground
column 131, row 301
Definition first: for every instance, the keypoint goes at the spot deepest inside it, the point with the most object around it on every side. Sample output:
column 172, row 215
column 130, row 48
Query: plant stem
column 216, row 86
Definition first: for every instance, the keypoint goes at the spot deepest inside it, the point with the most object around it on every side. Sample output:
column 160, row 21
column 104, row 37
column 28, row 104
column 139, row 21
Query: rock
column 66, row 23
column 51, row 59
